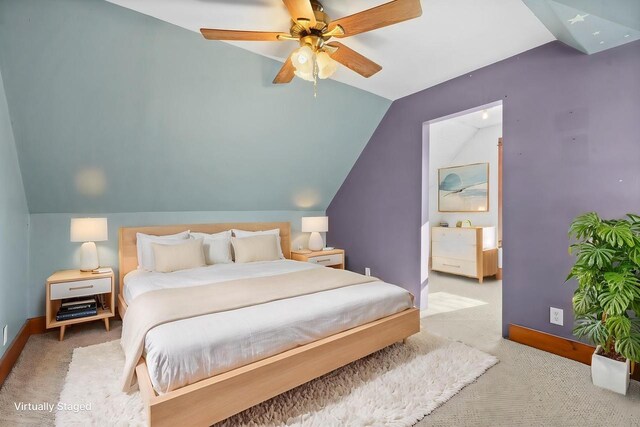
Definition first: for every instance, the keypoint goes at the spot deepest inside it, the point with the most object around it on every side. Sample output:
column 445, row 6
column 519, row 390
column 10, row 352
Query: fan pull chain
column 315, row 78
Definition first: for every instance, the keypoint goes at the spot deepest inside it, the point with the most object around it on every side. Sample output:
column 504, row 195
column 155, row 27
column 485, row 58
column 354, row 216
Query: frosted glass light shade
column 315, row 223
column 304, row 76
column 303, row 59
column 89, row 230
column 326, row 65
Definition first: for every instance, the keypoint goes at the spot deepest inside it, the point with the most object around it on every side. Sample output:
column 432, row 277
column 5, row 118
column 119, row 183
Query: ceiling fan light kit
column 312, row 28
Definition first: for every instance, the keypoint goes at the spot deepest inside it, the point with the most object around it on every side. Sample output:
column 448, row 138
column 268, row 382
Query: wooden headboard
column 128, row 254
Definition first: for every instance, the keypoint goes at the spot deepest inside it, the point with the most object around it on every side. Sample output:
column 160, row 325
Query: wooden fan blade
column 286, row 73
column 301, row 10
column 258, row 36
column 378, row 17
column 353, row 60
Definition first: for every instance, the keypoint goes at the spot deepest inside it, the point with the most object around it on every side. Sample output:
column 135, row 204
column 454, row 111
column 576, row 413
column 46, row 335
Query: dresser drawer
column 462, row 236
column 455, row 266
column 453, row 249
column 80, row 288
column 328, row 260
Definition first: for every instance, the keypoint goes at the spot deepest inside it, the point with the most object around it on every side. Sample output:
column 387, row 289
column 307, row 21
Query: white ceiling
column 478, row 119
column 451, row 38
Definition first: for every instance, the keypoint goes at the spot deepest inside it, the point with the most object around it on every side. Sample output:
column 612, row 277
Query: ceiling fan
column 312, row 28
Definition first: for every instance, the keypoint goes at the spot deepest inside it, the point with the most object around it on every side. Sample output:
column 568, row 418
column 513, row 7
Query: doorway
column 462, row 222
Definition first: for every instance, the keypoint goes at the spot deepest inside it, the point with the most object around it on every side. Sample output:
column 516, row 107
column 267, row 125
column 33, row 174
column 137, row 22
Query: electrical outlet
column 367, row 271
column 556, row 316
column 5, row 334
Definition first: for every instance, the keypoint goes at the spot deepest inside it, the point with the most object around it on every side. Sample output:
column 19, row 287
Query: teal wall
column 120, row 115
column 151, row 117
column 50, row 248
column 14, row 224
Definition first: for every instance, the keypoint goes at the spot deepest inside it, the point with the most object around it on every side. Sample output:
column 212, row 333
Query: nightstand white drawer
column 80, row 288
column 327, row 260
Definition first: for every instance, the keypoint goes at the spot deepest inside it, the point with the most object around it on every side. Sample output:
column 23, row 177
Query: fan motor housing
column 322, row 22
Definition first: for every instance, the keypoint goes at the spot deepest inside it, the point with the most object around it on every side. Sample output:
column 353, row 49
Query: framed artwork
column 464, row 188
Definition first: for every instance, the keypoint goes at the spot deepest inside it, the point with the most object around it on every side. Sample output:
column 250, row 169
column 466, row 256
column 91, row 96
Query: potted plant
column 606, row 303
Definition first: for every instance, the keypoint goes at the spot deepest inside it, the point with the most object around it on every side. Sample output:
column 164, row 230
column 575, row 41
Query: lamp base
column 88, row 257
column 315, row 241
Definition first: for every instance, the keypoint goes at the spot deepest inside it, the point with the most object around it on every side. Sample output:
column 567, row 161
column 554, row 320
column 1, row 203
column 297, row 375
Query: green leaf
column 584, row 302
column 633, row 218
column 617, row 234
column 593, row 255
column 615, row 303
column 586, row 276
column 623, row 282
column 618, row 326
column 591, row 328
column 585, row 225
column 634, row 255
column 629, row 347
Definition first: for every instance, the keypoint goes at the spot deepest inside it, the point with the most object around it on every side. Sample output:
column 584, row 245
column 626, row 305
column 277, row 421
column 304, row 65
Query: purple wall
column 572, row 144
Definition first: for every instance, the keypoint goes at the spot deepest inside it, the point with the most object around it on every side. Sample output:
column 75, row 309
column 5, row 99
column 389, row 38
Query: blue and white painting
column 464, row 188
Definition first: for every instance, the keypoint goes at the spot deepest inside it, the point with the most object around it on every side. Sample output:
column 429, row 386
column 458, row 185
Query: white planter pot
column 610, row 374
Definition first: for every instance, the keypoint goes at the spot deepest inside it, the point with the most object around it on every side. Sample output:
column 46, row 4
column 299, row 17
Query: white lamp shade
column 89, row 230
column 315, row 223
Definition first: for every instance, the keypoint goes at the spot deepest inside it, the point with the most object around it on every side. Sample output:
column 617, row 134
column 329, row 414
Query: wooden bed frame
column 221, row 396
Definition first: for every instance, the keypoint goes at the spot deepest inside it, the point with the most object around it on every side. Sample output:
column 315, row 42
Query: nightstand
column 333, row 258
column 75, row 283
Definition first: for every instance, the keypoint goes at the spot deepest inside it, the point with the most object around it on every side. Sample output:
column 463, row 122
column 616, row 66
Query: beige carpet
column 527, row 388
column 445, row 302
column 393, row 387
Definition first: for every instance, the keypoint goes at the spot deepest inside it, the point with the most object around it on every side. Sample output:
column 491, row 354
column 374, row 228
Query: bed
column 201, row 370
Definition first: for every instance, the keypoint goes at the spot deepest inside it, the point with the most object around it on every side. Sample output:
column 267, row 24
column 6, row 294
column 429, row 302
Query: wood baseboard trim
column 564, row 347
column 35, row 325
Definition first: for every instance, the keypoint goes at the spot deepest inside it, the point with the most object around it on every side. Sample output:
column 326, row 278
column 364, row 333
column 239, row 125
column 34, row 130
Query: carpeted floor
column 527, row 388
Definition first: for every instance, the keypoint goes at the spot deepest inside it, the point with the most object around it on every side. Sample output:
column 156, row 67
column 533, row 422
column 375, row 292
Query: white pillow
column 145, row 251
column 182, row 256
column 217, row 247
column 276, row 232
column 256, row 248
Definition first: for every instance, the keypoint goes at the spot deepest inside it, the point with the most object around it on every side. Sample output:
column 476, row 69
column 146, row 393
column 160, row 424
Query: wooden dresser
column 468, row 251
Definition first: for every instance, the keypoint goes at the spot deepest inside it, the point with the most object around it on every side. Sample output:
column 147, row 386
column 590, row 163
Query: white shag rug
column 396, row 386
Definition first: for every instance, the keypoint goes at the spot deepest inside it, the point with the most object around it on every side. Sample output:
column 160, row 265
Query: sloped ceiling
column 590, row 26
column 115, row 111
column 451, row 38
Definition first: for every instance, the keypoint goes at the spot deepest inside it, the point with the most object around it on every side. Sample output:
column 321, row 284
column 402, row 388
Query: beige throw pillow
column 176, row 257
column 256, row 248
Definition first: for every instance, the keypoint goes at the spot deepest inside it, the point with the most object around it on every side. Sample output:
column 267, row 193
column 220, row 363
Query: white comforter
column 187, row 351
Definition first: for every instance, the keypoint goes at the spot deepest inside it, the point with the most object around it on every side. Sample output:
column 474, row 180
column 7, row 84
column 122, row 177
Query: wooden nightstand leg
column 62, row 328
column 106, row 323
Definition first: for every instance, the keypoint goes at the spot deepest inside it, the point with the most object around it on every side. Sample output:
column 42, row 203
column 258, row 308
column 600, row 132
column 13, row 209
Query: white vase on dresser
column 465, row 251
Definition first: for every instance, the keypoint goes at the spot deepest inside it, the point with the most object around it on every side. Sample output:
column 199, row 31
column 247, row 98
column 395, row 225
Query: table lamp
column 88, row 231
column 315, row 225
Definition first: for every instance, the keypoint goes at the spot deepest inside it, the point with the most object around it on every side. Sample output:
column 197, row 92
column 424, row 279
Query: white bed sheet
column 186, row 351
